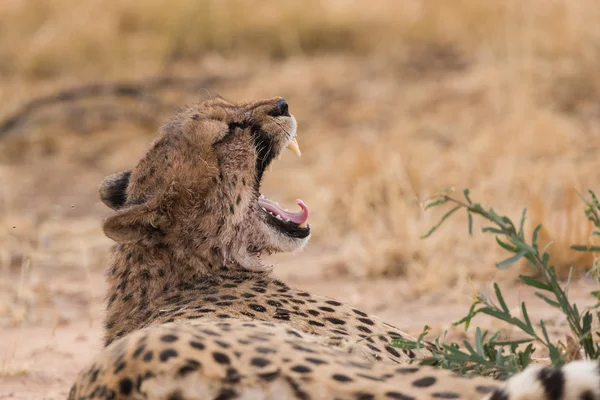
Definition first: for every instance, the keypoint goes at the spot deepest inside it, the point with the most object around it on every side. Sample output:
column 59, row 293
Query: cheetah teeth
column 293, row 146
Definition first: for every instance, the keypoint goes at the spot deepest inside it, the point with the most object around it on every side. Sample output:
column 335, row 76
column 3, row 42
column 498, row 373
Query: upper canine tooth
column 293, row 146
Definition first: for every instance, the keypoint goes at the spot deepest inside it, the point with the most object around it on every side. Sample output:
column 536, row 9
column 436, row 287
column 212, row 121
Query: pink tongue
column 297, row 218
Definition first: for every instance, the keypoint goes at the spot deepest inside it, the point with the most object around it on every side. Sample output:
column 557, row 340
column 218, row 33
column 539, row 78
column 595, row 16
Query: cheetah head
column 197, row 189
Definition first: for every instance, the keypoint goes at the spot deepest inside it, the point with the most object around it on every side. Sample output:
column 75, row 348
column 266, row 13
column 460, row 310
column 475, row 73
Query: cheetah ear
column 136, row 223
column 113, row 189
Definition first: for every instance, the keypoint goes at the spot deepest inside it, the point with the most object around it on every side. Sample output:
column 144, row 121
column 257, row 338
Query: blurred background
column 396, row 100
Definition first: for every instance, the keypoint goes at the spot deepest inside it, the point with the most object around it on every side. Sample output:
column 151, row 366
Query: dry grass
column 395, row 101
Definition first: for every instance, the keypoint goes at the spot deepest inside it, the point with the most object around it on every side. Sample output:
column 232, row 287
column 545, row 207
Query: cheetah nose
column 280, row 109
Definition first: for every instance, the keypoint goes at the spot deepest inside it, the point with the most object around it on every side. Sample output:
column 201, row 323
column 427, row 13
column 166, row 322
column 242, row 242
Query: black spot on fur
column 148, row 356
column 296, row 388
column 553, row 381
column 398, row 396
column 333, row 303
column 247, row 314
column 269, row 376
column 363, row 396
column 392, row 351
column 315, row 323
column 335, row 321
column 190, row 366
column 303, row 369
column 499, row 395
column 341, row 378
column 366, row 321
column 259, row 362
column 445, row 395
column 176, row 395
column 370, row 377
column 315, row 361
column 282, row 313
column 424, row 382
column 226, row 394
column 224, row 345
column 120, row 367
column 257, row 307
column 221, row 358
column 232, row 375
column 168, row 338
column 363, row 328
column 166, row 354
column 125, row 386
column 265, row 350
column 328, row 309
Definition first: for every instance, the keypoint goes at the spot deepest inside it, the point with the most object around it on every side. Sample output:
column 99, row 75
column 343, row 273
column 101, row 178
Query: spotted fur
column 193, row 314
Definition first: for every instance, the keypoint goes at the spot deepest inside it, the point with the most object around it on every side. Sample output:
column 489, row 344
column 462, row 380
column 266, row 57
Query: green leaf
column 547, row 300
column 530, row 329
column 444, row 217
column 479, row 341
column 442, row 200
column 506, row 246
column 470, row 222
column 513, row 342
column 534, row 237
column 501, row 299
column 534, row 283
column 523, row 217
column 582, row 247
column 466, row 193
column 511, row 260
column 492, row 230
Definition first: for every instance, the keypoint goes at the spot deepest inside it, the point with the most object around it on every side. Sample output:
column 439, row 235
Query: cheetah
column 193, row 313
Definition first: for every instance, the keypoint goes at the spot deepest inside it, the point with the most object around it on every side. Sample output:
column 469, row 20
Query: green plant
column 488, row 355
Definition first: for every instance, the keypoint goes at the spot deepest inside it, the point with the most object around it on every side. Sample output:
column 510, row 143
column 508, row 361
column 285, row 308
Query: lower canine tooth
column 264, row 209
column 278, row 217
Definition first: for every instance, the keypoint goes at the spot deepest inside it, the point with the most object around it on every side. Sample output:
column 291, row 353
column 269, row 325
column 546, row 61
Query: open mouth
column 293, row 224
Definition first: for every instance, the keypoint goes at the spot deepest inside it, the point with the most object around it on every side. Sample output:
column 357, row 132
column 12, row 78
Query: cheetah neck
column 141, row 275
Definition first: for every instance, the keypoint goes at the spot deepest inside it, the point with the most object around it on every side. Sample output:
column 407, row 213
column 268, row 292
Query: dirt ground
column 395, row 102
